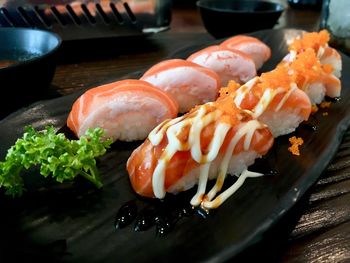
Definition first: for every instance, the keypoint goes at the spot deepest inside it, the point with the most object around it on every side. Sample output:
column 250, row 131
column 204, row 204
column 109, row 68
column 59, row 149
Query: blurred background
column 183, row 14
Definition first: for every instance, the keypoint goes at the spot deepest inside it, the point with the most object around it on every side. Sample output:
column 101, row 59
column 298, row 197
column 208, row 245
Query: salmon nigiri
column 316, row 79
column 211, row 140
column 318, row 41
column 332, row 57
column 229, row 64
column 272, row 97
column 188, row 83
column 251, row 46
column 127, row 110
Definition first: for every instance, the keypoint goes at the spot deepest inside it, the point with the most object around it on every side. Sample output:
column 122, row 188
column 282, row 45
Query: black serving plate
column 75, row 222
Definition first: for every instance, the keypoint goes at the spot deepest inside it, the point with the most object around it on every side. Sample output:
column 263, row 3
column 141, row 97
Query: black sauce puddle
column 161, row 214
column 146, row 213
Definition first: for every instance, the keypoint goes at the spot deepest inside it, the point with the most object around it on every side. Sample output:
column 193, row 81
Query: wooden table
column 322, row 233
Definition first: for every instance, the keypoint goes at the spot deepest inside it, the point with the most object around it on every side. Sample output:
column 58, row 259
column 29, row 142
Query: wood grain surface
column 323, row 231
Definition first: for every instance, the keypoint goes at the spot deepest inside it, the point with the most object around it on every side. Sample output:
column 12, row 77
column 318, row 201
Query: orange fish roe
column 313, row 40
column 327, row 68
column 230, row 89
column 314, row 108
column 325, row 104
column 306, row 68
column 227, row 105
column 296, row 142
column 277, row 78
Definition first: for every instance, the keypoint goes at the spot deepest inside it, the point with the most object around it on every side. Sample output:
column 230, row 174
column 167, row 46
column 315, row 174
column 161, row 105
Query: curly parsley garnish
column 56, row 155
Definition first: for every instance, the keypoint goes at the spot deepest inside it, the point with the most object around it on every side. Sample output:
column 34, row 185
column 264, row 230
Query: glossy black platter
column 75, row 223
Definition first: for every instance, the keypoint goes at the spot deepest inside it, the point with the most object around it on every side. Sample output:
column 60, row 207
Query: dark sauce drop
column 163, row 215
column 203, row 213
column 145, row 220
column 164, row 226
column 336, row 99
column 126, row 214
column 187, row 211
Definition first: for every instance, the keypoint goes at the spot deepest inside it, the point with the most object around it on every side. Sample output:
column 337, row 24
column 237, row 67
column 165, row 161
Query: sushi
column 227, row 135
column 272, row 97
column 313, row 77
column 127, row 110
column 251, row 46
column 188, row 83
column 207, row 143
column 318, row 41
column 228, row 64
column 332, row 57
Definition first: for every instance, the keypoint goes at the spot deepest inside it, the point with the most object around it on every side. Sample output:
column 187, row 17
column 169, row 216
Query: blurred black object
column 223, row 18
column 32, row 55
column 310, row 4
column 184, row 3
column 86, row 19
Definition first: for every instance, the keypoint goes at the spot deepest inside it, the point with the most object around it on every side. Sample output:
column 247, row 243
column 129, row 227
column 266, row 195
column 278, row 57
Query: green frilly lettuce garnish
column 55, row 155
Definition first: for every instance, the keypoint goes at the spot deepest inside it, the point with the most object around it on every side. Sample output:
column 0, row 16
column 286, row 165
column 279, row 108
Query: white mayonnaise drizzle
column 197, row 121
column 157, row 134
column 286, row 96
column 291, row 56
column 265, row 99
column 244, row 90
column 247, row 129
column 230, row 191
column 320, row 52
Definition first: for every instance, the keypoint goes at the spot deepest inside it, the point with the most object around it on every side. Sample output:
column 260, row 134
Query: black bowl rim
column 35, row 58
column 280, row 8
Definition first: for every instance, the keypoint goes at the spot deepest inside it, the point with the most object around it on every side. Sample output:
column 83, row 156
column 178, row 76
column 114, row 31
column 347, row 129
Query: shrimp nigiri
column 188, row 83
column 127, row 110
column 229, row 64
column 251, row 46
column 211, row 140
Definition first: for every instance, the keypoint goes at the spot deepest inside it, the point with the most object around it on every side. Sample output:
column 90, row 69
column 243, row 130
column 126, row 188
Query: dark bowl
column 27, row 65
column 223, row 18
